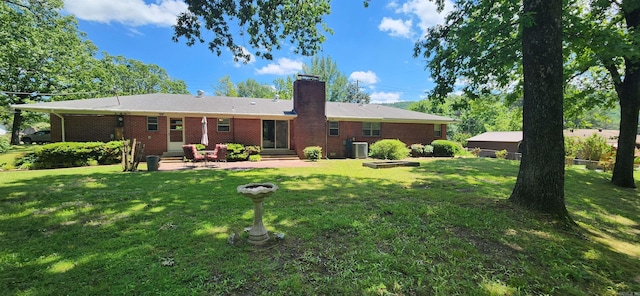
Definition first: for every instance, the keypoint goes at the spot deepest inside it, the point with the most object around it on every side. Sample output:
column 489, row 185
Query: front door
column 275, row 134
column 176, row 134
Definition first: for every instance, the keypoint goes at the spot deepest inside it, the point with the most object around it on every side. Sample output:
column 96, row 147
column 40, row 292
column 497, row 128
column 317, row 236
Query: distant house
column 164, row 122
column 497, row 141
column 510, row 141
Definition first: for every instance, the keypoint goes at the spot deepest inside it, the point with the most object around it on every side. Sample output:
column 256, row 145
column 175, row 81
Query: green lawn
column 443, row 228
column 7, row 159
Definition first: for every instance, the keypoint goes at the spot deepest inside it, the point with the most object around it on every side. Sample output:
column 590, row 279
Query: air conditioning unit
column 360, row 149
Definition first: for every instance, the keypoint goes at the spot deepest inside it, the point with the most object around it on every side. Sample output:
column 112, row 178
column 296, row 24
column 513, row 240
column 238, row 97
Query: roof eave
column 392, row 120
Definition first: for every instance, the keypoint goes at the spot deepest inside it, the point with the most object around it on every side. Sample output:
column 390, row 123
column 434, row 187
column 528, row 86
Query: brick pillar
column 309, row 102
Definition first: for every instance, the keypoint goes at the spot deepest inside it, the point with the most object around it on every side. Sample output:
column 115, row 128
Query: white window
column 224, row 124
column 152, row 123
column 437, row 130
column 371, row 129
column 334, row 128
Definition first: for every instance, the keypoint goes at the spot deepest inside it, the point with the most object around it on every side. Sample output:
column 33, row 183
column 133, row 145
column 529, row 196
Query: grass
column 7, row 159
column 444, row 228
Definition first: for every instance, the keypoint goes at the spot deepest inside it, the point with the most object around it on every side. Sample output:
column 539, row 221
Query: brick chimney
column 309, row 102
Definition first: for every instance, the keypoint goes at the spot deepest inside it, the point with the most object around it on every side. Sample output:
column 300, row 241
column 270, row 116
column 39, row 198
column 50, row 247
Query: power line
column 47, row 94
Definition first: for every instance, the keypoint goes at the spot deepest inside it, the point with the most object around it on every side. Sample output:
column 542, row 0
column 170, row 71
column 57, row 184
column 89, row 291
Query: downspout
column 62, row 125
column 326, row 137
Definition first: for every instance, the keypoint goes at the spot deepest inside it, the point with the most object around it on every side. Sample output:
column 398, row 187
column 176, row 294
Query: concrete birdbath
column 257, row 192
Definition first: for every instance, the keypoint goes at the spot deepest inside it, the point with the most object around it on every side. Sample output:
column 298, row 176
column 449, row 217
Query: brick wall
column 309, row 127
column 83, row 128
column 135, row 127
column 408, row 133
column 246, row 131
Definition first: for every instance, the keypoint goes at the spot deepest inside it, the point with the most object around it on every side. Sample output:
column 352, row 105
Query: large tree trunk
column 15, row 130
column 17, row 120
column 540, row 183
column 629, row 95
column 629, row 107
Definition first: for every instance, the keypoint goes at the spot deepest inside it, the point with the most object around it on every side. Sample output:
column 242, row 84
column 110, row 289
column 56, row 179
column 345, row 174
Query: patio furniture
column 219, row 154
column 191, row 154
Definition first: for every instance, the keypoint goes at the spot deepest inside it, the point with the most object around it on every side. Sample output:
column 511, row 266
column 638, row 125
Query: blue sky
column 372, row 45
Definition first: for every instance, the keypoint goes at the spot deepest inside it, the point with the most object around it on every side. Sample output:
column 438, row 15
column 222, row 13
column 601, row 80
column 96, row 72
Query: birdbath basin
column 257, row 192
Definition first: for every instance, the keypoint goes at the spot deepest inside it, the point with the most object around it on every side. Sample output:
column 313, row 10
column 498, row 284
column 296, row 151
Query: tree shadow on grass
column 155, row 232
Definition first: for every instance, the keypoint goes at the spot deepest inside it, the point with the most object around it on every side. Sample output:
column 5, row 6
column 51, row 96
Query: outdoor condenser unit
column 360, row 149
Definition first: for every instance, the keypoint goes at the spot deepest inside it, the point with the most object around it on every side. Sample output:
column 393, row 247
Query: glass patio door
column 275, row 134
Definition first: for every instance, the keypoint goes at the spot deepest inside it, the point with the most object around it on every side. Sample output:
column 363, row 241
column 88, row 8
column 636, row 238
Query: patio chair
column 219, row 154
column 191, row 154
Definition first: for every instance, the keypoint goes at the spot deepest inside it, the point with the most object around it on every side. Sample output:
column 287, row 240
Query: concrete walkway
column 174, row 166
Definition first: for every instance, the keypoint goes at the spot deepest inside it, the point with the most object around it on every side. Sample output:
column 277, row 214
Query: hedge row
column 72, row 154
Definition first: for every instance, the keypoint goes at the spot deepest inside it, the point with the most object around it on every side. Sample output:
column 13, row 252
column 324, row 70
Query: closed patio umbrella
column 205, row 136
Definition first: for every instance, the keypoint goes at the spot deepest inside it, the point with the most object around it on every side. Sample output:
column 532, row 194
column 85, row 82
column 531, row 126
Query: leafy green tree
column 130, row 77
column 284, row 87
column 253, row 89
column 600, row 46
column 605, row 35
column 355, row 95
column 45, row 57
column 492, row 44
column 266, row 23
column 474, row 116
column 42, row 53
column 336, row 81
column 225, row 87
column 540, row 182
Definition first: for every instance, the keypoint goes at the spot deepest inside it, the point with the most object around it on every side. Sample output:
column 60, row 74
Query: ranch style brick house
column 165, row 122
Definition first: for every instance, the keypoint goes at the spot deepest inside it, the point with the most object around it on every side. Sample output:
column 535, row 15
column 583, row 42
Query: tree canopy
column 45, row 57
column 264, row 23
column 327, row 69
column 601, row 61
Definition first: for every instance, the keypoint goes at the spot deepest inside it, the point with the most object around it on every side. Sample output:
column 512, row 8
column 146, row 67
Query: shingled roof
column 154, row 104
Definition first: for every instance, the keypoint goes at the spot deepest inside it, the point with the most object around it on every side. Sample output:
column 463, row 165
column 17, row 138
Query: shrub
column 428, row 150
column 5, row 144
column 593, row 147
column 445, row 148
column 252, row 149
column 71, row 154
column 502, row 154
column 255, row 157
column 200, row 147
column 476, row 152
column 312, row 153
column 461, row 138
column 240, row 152
column 389, row 149
column 417, row 150
column 236, row 152
column 571, row 146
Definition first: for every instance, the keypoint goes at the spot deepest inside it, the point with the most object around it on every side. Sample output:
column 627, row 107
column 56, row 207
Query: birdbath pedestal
column 257, row 192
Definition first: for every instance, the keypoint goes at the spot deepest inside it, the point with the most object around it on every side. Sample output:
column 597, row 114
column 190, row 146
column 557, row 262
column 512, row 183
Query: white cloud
column 396, row 27
column 364, row 77
column 129, row 12
column 283, row 66
column 393, row 4
column 385, row 97
column 426, row 12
